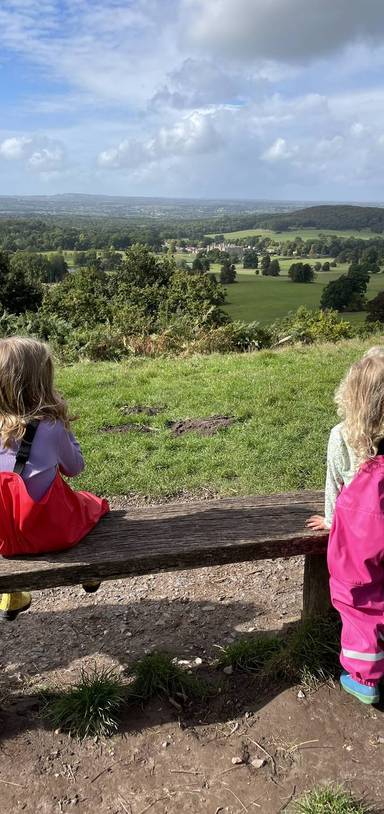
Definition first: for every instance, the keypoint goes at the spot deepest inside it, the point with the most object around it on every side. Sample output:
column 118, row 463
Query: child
column 354, row 512
column 39, row 512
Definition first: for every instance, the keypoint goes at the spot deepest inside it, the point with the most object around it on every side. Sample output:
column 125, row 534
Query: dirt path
column 163, row 762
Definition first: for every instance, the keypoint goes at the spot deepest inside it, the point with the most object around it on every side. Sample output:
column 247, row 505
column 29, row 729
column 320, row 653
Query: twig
column 104, row 771
column 286, row 804
column 299, row 745
column 9, row 783
column 153, row 803
column 236, row 797
column 185, row 771
column 122, row 802
column 269, row 756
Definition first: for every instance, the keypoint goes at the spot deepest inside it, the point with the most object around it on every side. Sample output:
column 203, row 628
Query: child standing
column 39, row 512
column 354, row 513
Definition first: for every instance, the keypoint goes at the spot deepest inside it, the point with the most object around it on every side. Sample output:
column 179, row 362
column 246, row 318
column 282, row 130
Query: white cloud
column 289, row 30
column 279, row 151
column 37, row 152
column 194, row 134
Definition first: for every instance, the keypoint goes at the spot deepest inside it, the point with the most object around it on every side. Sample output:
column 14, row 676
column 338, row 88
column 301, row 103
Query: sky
column 277, row 99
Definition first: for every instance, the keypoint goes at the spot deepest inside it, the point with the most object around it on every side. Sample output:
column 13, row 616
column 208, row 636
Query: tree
column 317, row 266
column 82, row 299
column 59, row 267
column 34, row 267
column 228, row 272
column 17, row 293
column 301, row 273
column 348, row 291
column 274, row 268
column 265, row 263
column 326, row 266
column 197, row 297
column 250, row 259
column 201, row 263
column 375, row 308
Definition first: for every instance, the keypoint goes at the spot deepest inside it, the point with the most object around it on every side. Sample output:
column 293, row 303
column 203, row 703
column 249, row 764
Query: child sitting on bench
column 39, row 512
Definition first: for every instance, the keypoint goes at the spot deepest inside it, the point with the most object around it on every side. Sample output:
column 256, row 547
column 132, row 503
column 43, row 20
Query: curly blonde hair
column 360, row 403
column 26, row 387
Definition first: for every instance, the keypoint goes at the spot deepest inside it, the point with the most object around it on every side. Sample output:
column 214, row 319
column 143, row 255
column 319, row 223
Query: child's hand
column 316, row 523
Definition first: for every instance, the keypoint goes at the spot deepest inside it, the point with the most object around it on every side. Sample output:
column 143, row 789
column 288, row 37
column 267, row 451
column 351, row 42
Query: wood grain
column 175, row 536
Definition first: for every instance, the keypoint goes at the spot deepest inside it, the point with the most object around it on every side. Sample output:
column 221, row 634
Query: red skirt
column 56, row 522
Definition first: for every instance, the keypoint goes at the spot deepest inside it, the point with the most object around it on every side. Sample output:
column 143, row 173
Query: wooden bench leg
column 316, row 597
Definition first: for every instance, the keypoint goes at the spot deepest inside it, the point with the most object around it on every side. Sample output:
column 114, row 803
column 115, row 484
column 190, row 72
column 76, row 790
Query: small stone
column 301, row 694
column 237, row 761
column 198, row 661
column 165, row 744
column 258, row 762
column 380, row 739
column 228, row 670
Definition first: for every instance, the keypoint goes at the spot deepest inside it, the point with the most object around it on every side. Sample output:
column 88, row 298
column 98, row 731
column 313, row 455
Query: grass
column 305, row 234
column 89, row 708
column 329, row 800
column 284, row 400
column 250, row 655
column 308, row 654
column 158, row 675
column 265, row 299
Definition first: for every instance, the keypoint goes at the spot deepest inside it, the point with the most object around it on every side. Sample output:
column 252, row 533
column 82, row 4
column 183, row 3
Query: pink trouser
column 356, row 567
column 362, row 636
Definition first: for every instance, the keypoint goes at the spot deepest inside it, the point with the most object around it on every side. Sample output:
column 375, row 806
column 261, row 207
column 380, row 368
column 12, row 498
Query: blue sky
column 193, row 98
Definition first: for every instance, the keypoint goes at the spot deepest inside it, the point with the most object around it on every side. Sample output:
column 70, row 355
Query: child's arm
column 333, row 483
column 70, row 459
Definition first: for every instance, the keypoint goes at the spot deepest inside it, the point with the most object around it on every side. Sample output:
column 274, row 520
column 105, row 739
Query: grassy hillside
column 282, row 400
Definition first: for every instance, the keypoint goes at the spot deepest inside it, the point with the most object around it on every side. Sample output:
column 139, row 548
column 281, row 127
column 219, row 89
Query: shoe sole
column 362, row 698
column 11, row 615
column 91, row 589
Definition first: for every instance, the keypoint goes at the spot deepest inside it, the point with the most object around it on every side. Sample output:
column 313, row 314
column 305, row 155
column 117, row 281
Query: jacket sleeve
column 70, row 459
column 336, row 466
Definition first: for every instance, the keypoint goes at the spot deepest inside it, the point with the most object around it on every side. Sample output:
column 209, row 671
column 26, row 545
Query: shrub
column 312, row 326
column 329, row 800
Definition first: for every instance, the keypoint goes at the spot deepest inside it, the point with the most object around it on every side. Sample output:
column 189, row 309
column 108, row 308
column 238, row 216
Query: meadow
column 304, row 234
column 282, row 403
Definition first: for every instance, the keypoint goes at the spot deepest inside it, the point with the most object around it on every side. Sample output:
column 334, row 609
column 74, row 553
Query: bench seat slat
column 177, row 536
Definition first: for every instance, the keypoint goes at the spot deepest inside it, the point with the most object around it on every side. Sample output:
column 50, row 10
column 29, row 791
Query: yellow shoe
column 92, row 586
column 13, row 604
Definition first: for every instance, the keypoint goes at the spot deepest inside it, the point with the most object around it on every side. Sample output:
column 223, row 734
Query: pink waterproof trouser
column 355, row 562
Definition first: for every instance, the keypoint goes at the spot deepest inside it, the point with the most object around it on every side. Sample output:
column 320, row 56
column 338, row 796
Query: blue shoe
column 367, row 695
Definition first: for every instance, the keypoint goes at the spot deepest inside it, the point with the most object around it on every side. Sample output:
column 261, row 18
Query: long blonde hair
column 26, row 387
column 360, row 402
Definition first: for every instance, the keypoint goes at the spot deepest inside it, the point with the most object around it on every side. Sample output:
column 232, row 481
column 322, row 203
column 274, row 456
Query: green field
column 283, row 401
column 305, row 234
column 265, row 299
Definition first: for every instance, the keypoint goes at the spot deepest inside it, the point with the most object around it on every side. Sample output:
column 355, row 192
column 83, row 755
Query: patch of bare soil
column 203, row 426
column 241, row 751
column 139, row 409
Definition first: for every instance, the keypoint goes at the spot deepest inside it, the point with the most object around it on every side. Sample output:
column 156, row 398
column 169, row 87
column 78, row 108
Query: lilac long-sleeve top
column 53, row 448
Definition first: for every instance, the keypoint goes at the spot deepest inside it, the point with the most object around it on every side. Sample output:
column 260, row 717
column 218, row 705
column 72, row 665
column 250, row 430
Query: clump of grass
column 310, row 653
column 329, row 800
column 157, row 674
column 250, row 655
column 89, row 708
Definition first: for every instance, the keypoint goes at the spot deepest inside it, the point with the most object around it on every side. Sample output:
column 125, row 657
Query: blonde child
column 39, row 512
column 354, row 513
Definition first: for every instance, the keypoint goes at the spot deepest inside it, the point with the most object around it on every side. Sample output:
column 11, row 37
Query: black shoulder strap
column 25, row 447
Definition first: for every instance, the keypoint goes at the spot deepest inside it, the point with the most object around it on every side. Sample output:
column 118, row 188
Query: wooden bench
column 192, row 535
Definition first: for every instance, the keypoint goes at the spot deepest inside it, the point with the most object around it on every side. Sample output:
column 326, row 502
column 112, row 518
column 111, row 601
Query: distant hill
column 337, row 216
